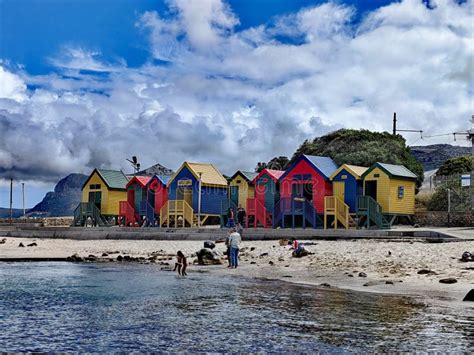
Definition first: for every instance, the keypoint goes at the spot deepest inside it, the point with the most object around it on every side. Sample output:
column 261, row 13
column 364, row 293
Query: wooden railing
column 369, row 207
column 334, row 206
column 310, row 213
column 177, row 208
column 147, row 210
column 85, row 210
column 164, row 215
column 128, row 212
column 257, row 209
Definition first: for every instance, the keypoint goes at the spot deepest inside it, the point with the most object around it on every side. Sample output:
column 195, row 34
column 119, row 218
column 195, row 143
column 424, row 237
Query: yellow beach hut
column 389, row 192
column 241, row 188
column 101, row 194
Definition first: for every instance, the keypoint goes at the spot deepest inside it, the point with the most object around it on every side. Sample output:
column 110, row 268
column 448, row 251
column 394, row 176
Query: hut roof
column 248, row 175
column 354, row 170
column 274, row 174
column 324, row 165
column 156, row 169
column 142, row 180
column 393, row 170
column 209, row 173
column 114, row 179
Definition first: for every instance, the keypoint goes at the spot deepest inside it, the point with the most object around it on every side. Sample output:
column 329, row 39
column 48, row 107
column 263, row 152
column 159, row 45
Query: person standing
column 230, row 218
column 181, row 264
column 234, row 242
column 241, row 216
column 227, row 244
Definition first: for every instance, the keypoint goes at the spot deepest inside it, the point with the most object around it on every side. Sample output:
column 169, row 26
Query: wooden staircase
column 127, row 214
column 257, row 214
column 177, row 214
column 147, row 210
column 86, row 210
column 292, row 207
column 335, row 207
column 370, row 214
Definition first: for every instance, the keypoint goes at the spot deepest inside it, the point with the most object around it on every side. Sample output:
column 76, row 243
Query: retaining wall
column 442, row 219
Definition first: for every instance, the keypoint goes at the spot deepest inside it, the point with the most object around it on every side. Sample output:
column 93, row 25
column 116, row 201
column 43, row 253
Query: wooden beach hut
column 389, row 192
column 157, row 196
column 241, row 188
column 130, row 210
column 267, row 193
column 303, row 187
column 182, row 207
column 101, row 194
column 340, row 208
column 347, row 184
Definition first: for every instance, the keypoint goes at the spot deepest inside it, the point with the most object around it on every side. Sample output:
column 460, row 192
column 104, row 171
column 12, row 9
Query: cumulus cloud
column 237, row 97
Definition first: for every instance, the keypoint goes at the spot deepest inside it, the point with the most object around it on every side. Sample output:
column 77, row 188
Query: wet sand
column 391, row 266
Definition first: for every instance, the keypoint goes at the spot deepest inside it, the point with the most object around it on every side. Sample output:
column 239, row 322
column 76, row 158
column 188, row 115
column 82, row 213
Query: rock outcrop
column 63, row 200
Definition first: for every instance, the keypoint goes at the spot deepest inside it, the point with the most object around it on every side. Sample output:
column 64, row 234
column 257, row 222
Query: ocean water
column 132, row 307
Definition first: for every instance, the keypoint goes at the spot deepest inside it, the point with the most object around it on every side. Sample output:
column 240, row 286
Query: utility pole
column 395, row 130
column 471, row 135
column 199, row 200
column 23, row 193
column 11, row 200
column 449, row 207
column 394, row 123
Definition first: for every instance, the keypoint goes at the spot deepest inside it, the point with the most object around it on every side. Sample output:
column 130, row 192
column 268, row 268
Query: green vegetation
column 460, row 197
column 455, row 166
column 277, row 163
column 362, row 147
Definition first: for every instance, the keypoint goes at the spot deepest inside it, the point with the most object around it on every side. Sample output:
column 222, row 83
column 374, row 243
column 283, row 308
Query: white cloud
column 238, row 97
column 77, row 58
column 12, row 86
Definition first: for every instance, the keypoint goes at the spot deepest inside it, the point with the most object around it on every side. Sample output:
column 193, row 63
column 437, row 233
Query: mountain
column 64, row 199
column 433, row 156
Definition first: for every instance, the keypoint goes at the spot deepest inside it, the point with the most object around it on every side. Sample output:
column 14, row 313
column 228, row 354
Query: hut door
column 234, row 195
column 131, row 197
column 371, row 189
column 96, row 198
column 185, row 194
column 338, row 187
column 151, row 197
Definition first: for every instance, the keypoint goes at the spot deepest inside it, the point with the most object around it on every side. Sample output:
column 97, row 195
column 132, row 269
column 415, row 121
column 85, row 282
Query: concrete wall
column 440, row 219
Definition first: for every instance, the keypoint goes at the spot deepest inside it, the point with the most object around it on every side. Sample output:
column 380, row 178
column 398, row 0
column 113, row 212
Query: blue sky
column 33, row 31
column 88, row 83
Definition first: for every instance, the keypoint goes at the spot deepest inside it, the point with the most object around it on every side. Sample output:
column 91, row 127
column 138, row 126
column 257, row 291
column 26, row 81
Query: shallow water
column 117, row 307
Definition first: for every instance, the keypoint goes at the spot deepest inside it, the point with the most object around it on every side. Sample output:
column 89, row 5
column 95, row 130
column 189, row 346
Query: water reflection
column 74, row 307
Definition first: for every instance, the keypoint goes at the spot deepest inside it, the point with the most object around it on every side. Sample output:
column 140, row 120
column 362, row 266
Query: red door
column 131, row 197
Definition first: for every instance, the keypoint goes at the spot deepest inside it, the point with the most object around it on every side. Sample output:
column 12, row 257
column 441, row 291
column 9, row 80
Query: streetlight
column 135, row 164
column 23, row 193
column 11, row 200
column 199, row 200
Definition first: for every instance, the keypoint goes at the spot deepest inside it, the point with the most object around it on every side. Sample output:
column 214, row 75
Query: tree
column 277, row 163
column 362, row 147
column 455, row 166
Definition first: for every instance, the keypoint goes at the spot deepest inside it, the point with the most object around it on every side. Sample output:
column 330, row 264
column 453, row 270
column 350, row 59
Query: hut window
column 94, row 186
column 185, row 182
column 401, row 191
column 238, row 181
column 376, row 175
column 343, row 177
column 302, row 177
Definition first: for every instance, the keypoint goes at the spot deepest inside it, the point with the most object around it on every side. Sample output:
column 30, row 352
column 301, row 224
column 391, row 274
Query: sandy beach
column 390, row 266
